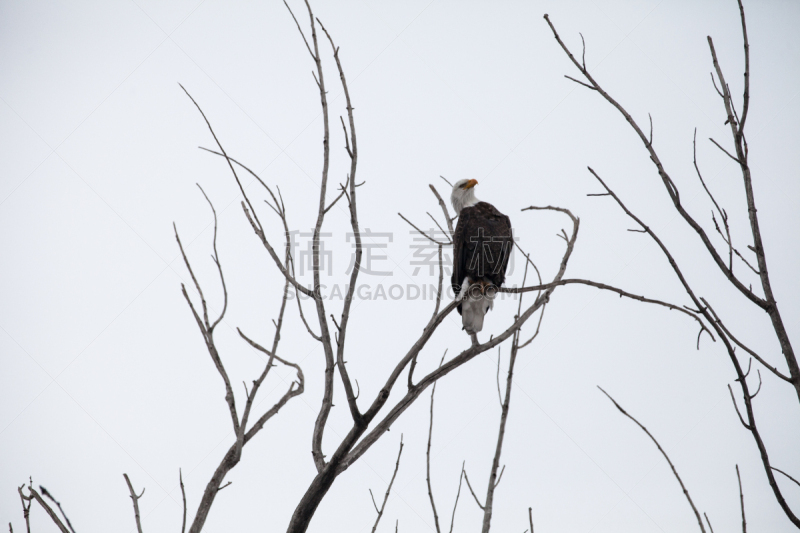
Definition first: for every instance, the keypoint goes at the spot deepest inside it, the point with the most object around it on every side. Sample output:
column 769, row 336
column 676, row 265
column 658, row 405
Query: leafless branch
column 52, row 514
column 370, row 438
column 723, row 215
column 241, row 430
column 135, row 499
column 675, row 472
column 449, row 241
column 455, row 504
column 535, row 333
column 741, row 500
column 769, row 304
column 530, row 517
column 759, row 385
column 603, row 286
column 352, row 151
column 207, row 330
column 466, row 477
column 422, row 232
column 444, row 209
column 327, row 398
column 342, row 187
column 787, row 475
column 670, row 186
column 497, row 378
column 26, row 509
column 280, row 210
column 724, row 150
column 428, row 459
column 388, row 489
column 300, row 30
column 494, row 479
column 742, row 346
column 580, row 82
column 247, row 206
column 440, row 284
column 711, row 529
column 183, row 495
column 746, row 262
column 47, row 494
column 747, row 426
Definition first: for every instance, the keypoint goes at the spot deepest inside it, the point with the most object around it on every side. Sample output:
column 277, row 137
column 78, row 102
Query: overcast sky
column 104, row 370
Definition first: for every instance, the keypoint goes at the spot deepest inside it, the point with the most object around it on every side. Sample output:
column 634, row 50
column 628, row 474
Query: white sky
column 105, row 372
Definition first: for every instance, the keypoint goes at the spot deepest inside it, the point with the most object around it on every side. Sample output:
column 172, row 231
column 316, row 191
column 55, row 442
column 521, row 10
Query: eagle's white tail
column 474, row 307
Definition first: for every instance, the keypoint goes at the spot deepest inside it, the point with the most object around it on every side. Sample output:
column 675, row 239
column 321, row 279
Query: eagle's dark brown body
column 482, row 244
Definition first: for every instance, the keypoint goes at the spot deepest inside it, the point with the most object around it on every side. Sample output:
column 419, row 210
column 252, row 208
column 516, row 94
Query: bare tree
column 701, row 308
column 370, row 422
column 373, row 417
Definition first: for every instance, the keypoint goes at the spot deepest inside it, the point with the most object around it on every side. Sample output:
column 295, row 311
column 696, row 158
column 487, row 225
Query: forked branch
column 135, row 499
column 388, row 488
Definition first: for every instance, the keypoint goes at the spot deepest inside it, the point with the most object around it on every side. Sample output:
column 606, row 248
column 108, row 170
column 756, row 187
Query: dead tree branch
column 47, row 494
column 388, row 488
column 741, row 500
column 505, row 404
column 243, row 430
column 428, row 462
column 675, row 472
column 34, row 495
column 135, row 499
column 766, row 303
column 183, row 494
column 787, row 475
column 26, row 509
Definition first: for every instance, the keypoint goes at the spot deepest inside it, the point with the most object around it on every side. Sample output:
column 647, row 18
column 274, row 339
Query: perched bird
column 482, row 244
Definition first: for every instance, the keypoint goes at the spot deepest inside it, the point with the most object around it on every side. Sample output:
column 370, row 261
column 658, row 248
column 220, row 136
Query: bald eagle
column 482, row 244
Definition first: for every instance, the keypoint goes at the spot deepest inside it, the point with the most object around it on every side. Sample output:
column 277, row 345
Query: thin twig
column 422, row 232
column 724, row 150
column 745, row 424
column 742, row 346
column 388, row 489
column 458, row 494
column 183, row 495
column 723, row 215
column 444, row 209
column 52, row 514
column 449, row 241
column 497, row 379
column 675, row 472
column 709, row 523
column 785, row 474
column 49, row 495
column 466, row 477
column 439, row 286
column 741, row 500
column 603, row 286
column 428, row 460
column 26, row 509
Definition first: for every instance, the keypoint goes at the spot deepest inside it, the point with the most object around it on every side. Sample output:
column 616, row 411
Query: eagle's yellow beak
column 470, row 184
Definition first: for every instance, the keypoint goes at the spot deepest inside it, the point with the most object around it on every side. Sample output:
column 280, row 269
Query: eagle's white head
column 463, row 195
